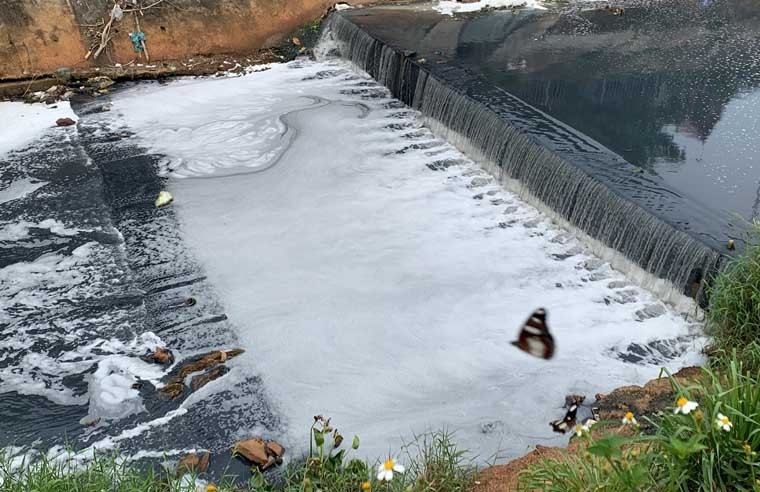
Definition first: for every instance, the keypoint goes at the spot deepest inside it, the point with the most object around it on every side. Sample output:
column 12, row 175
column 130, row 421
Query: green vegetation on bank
column 431, row 463
column 708, row 442
column 713, row 447
column 734, row 310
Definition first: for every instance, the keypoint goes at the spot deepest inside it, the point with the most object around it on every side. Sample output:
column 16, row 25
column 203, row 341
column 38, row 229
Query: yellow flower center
column 682, row 401
column 388, row 465
column 366, row 485
column 629, row 415
column 724, row 420
column 578, row 428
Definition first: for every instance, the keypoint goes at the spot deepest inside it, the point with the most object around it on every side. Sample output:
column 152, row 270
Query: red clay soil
column 38, row 37
column 654, row 396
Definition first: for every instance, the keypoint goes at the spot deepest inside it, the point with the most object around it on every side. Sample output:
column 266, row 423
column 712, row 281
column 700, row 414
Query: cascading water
column 546, row 162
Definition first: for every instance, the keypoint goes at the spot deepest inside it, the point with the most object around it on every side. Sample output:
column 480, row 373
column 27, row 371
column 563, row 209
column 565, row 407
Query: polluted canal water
column 370, row 270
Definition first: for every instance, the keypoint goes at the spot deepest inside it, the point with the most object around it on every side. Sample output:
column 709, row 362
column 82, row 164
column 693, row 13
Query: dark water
column 73, row 301
column 672, row 88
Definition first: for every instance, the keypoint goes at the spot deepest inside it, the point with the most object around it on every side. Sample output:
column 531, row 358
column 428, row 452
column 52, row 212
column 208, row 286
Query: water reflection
column 672, row 89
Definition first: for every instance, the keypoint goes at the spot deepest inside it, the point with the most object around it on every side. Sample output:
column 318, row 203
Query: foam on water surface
column 23, row 123
column 374, row 273
column 451, row 7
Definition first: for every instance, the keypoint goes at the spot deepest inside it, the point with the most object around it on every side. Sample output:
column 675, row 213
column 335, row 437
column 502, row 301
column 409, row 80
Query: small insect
column 566, row 423
column 534, row 337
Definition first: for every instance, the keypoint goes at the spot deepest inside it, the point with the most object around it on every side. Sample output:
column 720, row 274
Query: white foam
column 369, row 288
column 16, row 231
column 450, row 7
column 19, row 189
column 24, row 123
column 111, row 392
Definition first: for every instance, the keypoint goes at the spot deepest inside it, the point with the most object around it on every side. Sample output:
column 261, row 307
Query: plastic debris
column 137, row 39
column 117, row 12
column 164, row 198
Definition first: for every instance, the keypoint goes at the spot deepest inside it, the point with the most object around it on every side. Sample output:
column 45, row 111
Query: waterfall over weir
column 568, row 175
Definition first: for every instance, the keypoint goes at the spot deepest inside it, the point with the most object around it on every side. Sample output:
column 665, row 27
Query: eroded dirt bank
column 37, row 37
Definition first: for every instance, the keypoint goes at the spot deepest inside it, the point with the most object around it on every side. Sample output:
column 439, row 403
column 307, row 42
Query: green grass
column 734, row 307
column 433, row 464
column 103, row 473
column 687, row 453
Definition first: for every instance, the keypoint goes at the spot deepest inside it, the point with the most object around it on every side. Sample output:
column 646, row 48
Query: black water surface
column 673, row 88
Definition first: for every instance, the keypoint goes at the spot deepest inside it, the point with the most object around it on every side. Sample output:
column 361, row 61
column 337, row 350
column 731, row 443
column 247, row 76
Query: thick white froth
column 366, row 286
column 19, row 189
column 451, row 7
column 23, row 123
column 15, row 231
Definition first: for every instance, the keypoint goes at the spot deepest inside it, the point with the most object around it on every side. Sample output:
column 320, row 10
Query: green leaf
column 355, row 444
column 607, row 447
column 319, row 438
column 682, row 449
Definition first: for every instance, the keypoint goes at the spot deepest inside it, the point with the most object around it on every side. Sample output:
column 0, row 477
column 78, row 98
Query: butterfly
column 566, row 423
column 534, row 337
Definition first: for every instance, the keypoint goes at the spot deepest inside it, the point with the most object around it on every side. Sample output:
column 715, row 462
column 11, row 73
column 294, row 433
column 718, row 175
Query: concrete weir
column 645, row 227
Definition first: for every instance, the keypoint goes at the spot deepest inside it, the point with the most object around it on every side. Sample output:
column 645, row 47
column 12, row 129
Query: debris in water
column 100, row 83
column 65, row 122
column 190, row 463
column 571, row 400
column 260, row 452
column 172, row 390
column 160, row 355
column 202, row 380
column 731, row 245
column 164, row 198
column 209, row 363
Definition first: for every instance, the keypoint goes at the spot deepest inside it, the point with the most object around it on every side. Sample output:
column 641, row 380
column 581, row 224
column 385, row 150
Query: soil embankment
column 38, row 37
column 655, row 396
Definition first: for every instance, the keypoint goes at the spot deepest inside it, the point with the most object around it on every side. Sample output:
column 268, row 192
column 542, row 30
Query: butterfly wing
column 567, row 422
column 534, row 337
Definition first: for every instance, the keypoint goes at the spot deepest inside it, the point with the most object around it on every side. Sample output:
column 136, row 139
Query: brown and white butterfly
column 534, row 337
column 566, row 423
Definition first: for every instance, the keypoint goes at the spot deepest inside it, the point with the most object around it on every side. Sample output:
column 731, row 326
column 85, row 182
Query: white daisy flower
column 685, row 406
column 629, row 419
column 386, row 469
column 722, row 422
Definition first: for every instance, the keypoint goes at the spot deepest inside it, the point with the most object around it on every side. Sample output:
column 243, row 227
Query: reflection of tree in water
column 630, row 115
column 624, row 79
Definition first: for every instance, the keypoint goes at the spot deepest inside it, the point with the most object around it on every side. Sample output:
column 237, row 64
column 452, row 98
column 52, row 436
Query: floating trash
column 164, row 199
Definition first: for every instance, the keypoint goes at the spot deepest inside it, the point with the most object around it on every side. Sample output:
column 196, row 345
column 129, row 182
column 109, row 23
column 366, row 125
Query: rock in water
column 100, row 83
column 571, row 400
column 650, row 311
column 164, row 198
column 65, row 122
column 260, row 452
